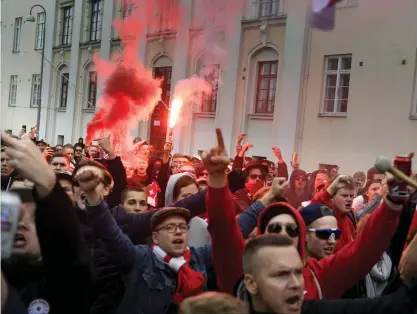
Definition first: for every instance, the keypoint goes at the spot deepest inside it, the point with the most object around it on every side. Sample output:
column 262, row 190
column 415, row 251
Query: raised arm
column 360, row 255
column 120, row 247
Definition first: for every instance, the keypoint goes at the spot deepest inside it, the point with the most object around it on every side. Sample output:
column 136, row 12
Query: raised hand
column 216, row 161
column 339, row 183
column 104, row 143
column 26, row 158
column 277, row 189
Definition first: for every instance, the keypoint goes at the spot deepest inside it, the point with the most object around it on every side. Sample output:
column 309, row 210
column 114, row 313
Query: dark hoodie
column 293, row 199
column 323, row 278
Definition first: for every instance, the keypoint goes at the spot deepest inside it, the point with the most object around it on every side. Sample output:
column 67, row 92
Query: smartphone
column 10, row 211
column 404, row 164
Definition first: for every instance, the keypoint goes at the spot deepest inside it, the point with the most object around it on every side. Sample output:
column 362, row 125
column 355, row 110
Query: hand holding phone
column 10, row 210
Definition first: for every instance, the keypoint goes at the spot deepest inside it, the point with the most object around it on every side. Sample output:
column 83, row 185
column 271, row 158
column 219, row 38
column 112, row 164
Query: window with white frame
column 64, row 90
column 128, row 6
column 35, row 97
column 96, row 19
column 211, row 73
column 266, row 87
column 336, row 84
column 13, row 90
column 268, row 7
column 92, row 90
column 40, row 31
column 67, row 14
column 17, row 34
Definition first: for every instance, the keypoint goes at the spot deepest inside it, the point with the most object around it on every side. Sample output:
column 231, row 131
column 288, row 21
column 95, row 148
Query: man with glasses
column 255, row 180
column 78, row 152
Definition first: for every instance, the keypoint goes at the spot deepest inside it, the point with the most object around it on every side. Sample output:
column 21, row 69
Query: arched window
column 263, row 77
column 63, row 79
column 90, row 79
column 211, row 73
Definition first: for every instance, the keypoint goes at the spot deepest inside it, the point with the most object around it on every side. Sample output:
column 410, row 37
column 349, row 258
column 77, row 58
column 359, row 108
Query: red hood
column 286, row 209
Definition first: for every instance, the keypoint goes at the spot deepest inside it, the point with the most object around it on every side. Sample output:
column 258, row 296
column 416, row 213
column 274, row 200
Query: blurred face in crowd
column 172, row 236
column 6, row 170
column 359, row 181
column 334, row 172
column 187, row 191
column 78, row 152
column 26, row 242
column 145, row 150
column 188, row 169
column 42, row 146
column 67, row 186
column 135, row 202
column 60, row 164
column 285, row 225
column 203, row 174
column 255, row 175
column 300, row 181
column 277, row 282
column 58, row 149
column 372, row 190
column 142, row 167
column 69, row 151
column 321, row 243
column 321, row 178
column 94, row 151
column 343, row 200
column 379, row 176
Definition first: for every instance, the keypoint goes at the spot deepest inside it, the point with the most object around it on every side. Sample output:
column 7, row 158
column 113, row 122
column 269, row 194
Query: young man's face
column 69, row 152
column 26, row 242
column 94, row 152
column 188, row 169
column 343, row 200
column 135, row 202
column 277, row 280
column 255, row 175
column 372, row 190
column 317, row 246
column 42, row 146
column 60, row 164
column 78, row 151
column 186, row 191
column 67, row 186
column 300, row 181
column 359, row 181
column 321, row 179
column 6, row 170
column 285, row 225
column 172, row 236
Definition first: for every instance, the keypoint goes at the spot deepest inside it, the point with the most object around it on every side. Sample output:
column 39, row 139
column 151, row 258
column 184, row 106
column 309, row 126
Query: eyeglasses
column 78, row 150
column 291, row 229
column 327, row 233
column 300, row 178
column 257, row 176
column 171, row 228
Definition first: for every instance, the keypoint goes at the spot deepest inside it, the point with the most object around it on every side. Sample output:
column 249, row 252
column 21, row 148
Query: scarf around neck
column 189, row 281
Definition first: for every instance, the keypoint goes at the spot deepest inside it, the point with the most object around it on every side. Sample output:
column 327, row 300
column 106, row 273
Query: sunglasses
column 257, row 176
column 327, row 234
column 291, row 229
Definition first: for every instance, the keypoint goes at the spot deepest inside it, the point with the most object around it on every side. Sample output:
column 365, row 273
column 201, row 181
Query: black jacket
column 63, row 275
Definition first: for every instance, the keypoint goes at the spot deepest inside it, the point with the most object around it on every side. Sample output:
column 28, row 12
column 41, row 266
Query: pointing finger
column 220, row 140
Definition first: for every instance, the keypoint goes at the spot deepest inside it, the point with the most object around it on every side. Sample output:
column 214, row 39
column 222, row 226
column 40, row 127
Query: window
column 64, row 90
column 268, row 7
column 60, row 140
column 128, row 7
column 92, row 90
column 168, row 14
column 66, row 25
column 13, row 90
column 17, row 33
column 211, row 74
column 95, row 20
column 35, row 98
column 40, row 31
column 266, row 87
column 336, row 84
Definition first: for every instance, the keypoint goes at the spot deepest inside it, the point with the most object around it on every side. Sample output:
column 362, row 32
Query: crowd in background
column 157, row 232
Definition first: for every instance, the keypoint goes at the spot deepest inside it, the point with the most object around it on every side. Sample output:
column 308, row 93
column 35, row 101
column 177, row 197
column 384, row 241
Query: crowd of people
column 154, row 232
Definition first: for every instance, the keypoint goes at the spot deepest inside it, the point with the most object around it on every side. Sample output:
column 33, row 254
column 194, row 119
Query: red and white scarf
column 190, row 282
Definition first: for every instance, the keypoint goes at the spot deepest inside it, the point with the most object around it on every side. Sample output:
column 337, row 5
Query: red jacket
column 344, row 222
column 332, row 275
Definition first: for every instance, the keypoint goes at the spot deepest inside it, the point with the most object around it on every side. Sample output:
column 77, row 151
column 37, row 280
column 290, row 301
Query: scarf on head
column 190, row 282
column 377, row 279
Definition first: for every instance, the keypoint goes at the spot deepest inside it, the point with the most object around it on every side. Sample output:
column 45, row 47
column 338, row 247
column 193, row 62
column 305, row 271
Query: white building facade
column 340, row 97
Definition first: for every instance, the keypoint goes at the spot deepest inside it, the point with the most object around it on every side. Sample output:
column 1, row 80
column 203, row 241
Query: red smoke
column 130, row 92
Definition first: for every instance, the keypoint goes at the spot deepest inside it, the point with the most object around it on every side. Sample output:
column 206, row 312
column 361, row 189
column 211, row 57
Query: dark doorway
column 159, row 119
